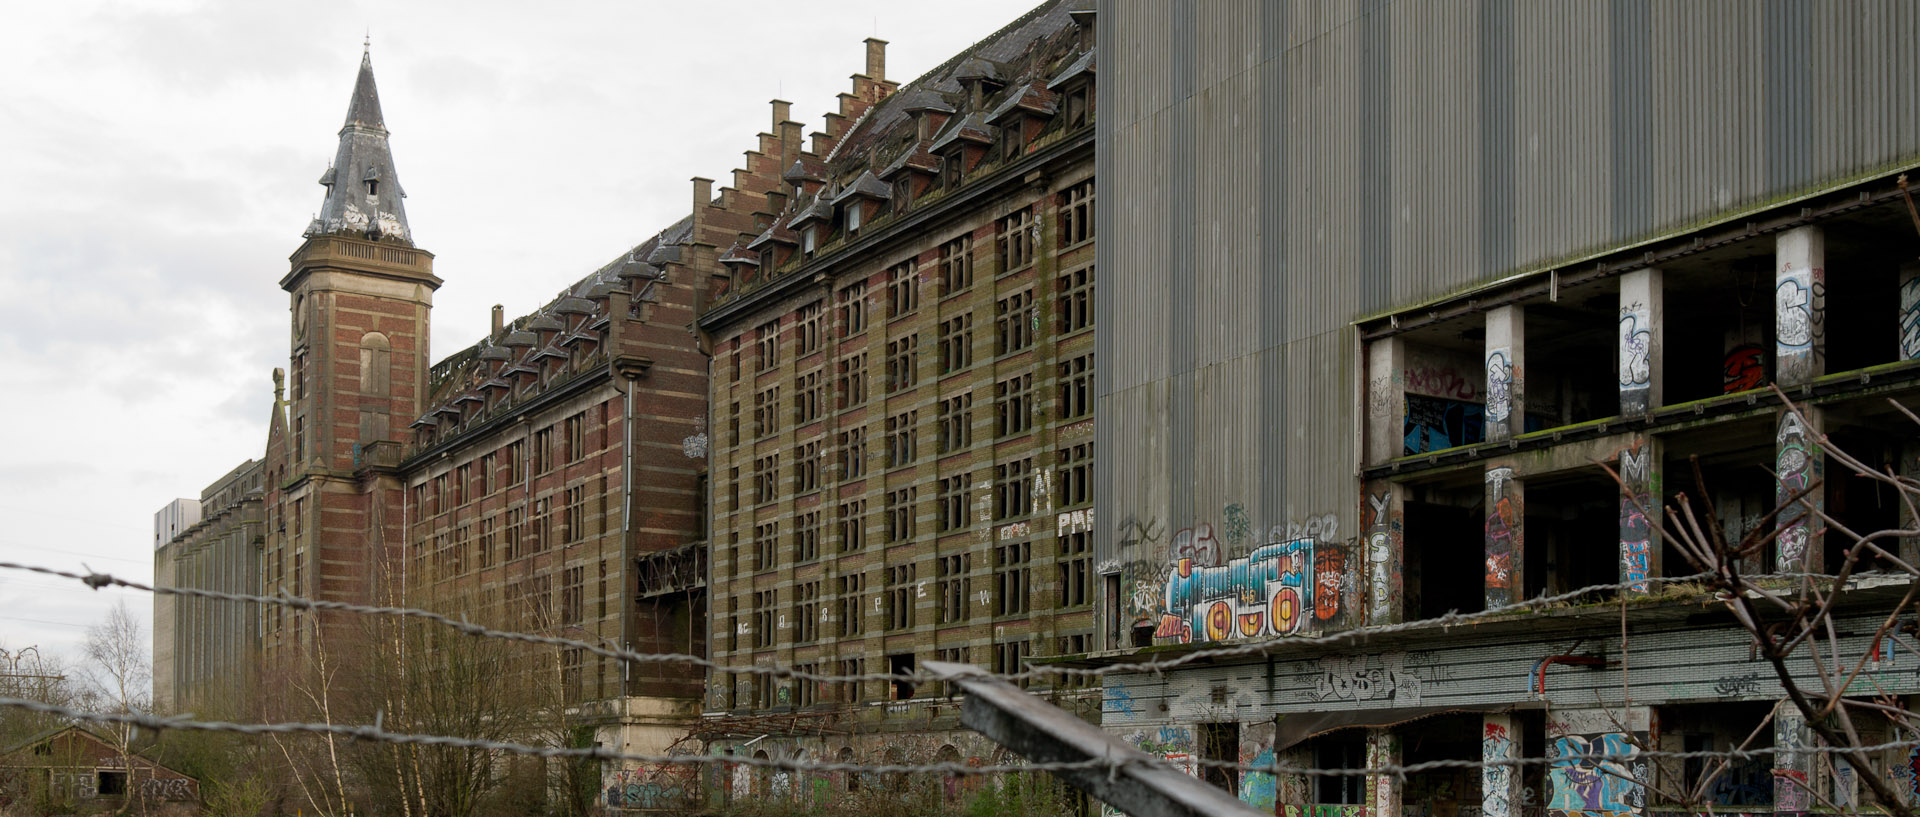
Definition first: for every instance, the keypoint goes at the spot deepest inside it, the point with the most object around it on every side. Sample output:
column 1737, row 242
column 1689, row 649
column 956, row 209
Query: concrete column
column 1506, row 565
column 1798, row 464
column 1383, row 791
column 1614, row 783
column 1506, row 346
column 1381, row 512
column 1386, row 399
column 1640, row 507
column 1642, row 337
column 1499, row 785
column 1909, row 467
column 1910, row 310
column 1799, row 306
column 1792, row 765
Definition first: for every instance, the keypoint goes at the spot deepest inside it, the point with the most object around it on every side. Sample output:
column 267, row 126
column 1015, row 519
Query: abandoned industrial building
column 1410, row 316
column 1414, row 277
column 902, row 441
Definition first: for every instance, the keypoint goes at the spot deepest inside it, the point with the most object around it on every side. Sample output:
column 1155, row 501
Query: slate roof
column 363, row 156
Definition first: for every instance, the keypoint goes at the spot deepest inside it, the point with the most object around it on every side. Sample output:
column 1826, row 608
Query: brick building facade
column 901, row 397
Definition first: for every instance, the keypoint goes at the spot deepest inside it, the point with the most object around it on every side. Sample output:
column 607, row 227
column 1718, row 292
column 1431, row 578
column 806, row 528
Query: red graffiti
column 1496, row 731
column 1329, row 569
column 1744, row 368
column 1499, row 569
column 1440, row 382
column 1174, row 627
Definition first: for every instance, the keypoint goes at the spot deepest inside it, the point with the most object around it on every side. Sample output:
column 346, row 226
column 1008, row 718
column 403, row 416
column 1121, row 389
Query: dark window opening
column 1220, row 742
column 901, row 666
column 112, row 784
column 1344, row 749
column 1572, row 534
column 1857, row 502
column 1570, row 358
column 373, row 187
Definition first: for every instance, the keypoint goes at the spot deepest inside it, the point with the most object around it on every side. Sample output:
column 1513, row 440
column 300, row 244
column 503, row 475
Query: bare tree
column 119, row 676
column 1790, row 619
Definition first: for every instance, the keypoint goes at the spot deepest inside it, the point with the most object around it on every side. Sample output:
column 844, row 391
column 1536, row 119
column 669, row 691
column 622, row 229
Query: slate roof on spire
column 363, row 195
column 364, row 110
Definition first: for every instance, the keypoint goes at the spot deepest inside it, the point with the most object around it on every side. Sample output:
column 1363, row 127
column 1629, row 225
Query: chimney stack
column 499, row 319
column 876, row 59
column 782, row 111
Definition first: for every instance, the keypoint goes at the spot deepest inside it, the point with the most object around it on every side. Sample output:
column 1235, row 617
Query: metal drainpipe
column 626, row 554
column 1540, row 669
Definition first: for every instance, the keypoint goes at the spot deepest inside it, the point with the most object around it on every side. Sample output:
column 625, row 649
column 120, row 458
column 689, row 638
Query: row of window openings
column 508, row 536
column 579, row 435
column 1015, row 410
column 1013, row 497
column 1016, row 320
column 844, row 614
column 1006, row 657
column 1015, row 488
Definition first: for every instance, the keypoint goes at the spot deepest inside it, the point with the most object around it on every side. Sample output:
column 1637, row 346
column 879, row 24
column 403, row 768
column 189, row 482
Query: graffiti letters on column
column 1496, row 782
column 1499, row 385
column 1795, row 468
column 1910, row 319
column 1503, row 536
column 1636, row 534
column 1798, row 322
column 1381, row 527
column 1636, row 365
column 1790, row 793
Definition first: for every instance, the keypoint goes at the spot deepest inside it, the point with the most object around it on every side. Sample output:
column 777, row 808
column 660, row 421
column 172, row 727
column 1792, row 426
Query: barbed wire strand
column 1108, row 763
column 1120, row 665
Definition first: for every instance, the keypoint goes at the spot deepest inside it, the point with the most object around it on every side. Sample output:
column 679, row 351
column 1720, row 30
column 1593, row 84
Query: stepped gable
column 578, row 314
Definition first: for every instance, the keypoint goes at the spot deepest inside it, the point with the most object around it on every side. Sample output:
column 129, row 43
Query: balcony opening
column 1444, row 374
column 1572, row 533
column 1570, row 356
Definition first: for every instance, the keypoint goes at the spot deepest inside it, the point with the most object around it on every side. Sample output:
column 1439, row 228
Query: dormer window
column 766, row 259
column 1079, row 104
column 853, row 216
column 902, row 193
column 808, row 238
column 373, row 188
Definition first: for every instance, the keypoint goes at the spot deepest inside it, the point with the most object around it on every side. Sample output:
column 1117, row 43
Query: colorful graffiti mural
column 1269, row 592
column 1595, row 786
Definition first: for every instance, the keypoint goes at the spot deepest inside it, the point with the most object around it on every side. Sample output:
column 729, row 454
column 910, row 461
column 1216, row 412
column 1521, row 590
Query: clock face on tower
column 299, row 316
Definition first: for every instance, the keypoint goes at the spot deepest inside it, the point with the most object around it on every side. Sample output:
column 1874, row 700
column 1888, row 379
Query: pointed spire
column 363, row 195
column 364, row 110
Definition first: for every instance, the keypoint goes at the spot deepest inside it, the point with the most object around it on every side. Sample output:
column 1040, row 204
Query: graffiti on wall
column 1359, row 678
column 1499, row 385
column 1435, row 423
column 1441, row 380
column 1636, row 533
column 1744, row 367
column 1795, row 468
column 1791, row 762
column 1496, row 782
column 168, row 788
column 1636, row 353
column 1799, row 297
column 1603, row 785
column 1910, row 318
column 1198, row 545
column 1256, row 749
column 1503, row 536
column 1382, row 529
column 662, row 788
column 1269, row 592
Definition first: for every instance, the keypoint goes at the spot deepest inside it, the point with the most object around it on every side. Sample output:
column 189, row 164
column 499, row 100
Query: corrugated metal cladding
column 1672, row 665
column 1272, row 171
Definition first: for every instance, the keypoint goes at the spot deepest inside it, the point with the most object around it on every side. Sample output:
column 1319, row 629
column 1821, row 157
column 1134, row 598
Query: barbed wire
column 1118, row 665
column 1110, row 764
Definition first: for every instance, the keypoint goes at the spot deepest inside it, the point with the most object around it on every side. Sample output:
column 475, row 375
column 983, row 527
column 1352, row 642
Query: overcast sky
column 161, row 161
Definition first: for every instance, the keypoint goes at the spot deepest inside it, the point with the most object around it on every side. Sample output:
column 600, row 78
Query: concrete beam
column 1143, row 786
